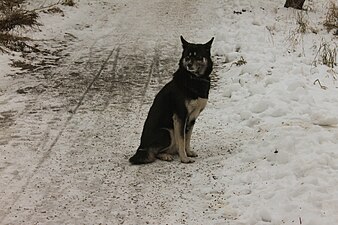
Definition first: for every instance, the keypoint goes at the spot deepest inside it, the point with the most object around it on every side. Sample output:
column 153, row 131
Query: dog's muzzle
column 195, row 66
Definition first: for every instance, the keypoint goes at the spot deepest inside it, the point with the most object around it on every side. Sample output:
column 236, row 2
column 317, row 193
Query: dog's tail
column 143, row 156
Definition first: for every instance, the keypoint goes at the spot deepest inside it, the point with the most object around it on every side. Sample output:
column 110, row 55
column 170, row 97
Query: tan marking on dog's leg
column 179, row 133
column 172, row 149
column 190, row 153
column 194, row 107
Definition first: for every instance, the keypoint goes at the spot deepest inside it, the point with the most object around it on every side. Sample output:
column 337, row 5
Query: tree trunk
column 297, row 4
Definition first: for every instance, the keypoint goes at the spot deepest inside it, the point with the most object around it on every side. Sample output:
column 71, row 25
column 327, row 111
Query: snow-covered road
column 65, row 151
column 267, row 140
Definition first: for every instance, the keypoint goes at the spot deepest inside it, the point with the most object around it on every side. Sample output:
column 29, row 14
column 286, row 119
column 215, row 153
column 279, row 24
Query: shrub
column 331, row 18
column 13, row 16
column 326, row 54
column 18, row 18
column 68, row 2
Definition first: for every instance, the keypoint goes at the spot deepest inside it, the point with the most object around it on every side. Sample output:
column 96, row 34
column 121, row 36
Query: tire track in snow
column 114, row 71
column 89, row 86
column 46, row 154
column 153, row 67
column 131, row 188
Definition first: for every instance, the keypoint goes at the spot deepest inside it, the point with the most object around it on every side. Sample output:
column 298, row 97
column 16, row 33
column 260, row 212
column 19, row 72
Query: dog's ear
column 209, row 43
column 184, row 42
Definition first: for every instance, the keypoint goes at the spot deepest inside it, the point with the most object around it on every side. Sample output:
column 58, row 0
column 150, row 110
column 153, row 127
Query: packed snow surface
column 267, row 140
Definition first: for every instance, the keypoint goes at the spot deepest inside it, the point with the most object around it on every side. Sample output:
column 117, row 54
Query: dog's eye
column 192, row 54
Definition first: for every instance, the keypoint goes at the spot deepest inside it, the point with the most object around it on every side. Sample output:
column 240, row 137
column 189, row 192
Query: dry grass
column 302, row 23
column 12, row 15
column 54, row 9
column 12, row 42
column 18, row 18
column 326, row 54
column 331, row 18
column 68, row 2
column 23, row 65
column 302, row 26
column 9, row 5
column 12, row 18
column 7, row 38
column 240, row 62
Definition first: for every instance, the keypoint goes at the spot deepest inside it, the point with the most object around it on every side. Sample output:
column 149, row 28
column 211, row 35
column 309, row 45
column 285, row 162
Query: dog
column 171, row 118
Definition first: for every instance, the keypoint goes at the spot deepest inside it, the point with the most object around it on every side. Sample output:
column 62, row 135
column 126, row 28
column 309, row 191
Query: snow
column 267, row 140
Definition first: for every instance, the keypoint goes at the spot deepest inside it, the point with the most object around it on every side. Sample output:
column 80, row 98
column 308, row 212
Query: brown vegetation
column 13, row 16
column 18, row 18
column 331, row 19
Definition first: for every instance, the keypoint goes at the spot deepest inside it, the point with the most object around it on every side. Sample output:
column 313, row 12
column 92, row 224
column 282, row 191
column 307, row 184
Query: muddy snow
column 267, row 140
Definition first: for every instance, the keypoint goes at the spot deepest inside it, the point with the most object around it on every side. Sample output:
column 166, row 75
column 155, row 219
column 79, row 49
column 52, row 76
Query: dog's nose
column 189, row 65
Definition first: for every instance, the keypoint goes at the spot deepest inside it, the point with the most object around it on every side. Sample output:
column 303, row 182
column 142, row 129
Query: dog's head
column 196, row 58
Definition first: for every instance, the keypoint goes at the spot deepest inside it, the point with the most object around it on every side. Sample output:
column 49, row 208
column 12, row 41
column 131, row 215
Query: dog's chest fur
column 195, row 107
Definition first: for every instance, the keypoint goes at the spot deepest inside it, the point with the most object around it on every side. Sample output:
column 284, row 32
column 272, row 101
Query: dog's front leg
column 179, row 133
column 188, row 131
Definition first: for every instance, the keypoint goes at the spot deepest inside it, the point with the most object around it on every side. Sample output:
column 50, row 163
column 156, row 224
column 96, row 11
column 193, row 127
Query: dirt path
column 65, row 154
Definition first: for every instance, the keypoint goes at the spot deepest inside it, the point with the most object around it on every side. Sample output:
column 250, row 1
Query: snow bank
column 288, row 173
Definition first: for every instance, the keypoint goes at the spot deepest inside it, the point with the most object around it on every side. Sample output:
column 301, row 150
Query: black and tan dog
column 168, row 127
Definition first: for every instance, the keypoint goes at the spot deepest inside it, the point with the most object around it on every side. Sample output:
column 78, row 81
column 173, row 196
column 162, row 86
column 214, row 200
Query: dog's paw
column 191, row 154
column 165, row 157
column 187, row 160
